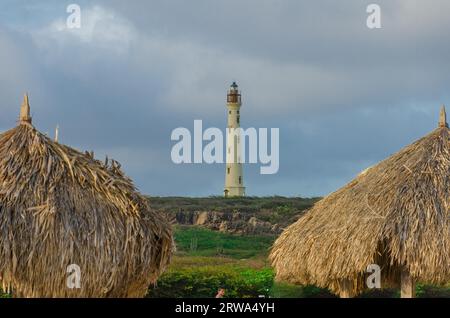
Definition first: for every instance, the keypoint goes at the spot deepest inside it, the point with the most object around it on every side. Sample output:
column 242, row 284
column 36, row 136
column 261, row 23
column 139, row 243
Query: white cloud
column 102, row 30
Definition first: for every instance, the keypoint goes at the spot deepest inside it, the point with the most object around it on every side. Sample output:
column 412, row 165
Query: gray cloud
column 343, row 96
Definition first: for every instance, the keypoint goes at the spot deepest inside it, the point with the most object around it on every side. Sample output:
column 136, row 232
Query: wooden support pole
column 346, row 289
column 408, row 286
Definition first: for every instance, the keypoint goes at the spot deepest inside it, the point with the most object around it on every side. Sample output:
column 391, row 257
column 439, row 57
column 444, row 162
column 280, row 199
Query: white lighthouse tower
column 234, row 180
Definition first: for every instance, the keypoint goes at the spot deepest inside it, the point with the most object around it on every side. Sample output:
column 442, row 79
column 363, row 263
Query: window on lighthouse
column 240, row 180
column 238, row 119
column 228, row 170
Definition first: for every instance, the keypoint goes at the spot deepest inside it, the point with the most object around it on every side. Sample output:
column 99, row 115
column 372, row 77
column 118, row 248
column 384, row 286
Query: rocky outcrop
column 230, row 222
column 238, row 215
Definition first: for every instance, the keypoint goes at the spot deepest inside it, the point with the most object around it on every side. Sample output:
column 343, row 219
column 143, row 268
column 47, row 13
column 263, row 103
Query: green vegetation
column 432, row 291
column 276, row 209
column 219, row 203
column 197, row 241
column 205, row 281
column 206, row 261
column 4, row 295
column 284, row 290
column 222, row 204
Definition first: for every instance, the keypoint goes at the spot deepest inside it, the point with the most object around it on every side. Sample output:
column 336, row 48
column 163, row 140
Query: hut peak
column 24, row 116
column 443, row 118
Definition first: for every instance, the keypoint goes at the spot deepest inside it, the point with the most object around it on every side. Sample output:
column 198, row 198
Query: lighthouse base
column 234, row 192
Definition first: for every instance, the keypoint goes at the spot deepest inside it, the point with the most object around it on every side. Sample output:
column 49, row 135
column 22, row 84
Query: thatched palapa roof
column 59, row 207
column 395, row 214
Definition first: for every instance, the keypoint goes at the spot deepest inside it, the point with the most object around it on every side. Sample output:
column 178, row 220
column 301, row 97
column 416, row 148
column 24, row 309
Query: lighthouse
column 234, row 180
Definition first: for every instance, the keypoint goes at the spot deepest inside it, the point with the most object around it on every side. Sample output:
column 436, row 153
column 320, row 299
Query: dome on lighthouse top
column 233, row 95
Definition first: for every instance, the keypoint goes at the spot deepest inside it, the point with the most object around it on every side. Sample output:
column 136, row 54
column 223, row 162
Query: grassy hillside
column 222, row 204
column 274, row 209
column 196, row 241
column 207, row 260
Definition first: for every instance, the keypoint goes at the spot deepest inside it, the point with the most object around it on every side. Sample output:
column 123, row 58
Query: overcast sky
column 344, row 96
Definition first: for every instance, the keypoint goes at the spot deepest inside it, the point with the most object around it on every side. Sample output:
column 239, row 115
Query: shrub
column 204, row 282
column 285, row 290
column 4, row 295
column 213, row 243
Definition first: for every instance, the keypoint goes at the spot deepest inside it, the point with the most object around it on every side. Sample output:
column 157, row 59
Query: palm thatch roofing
column 60, row 207
column 394, row 214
